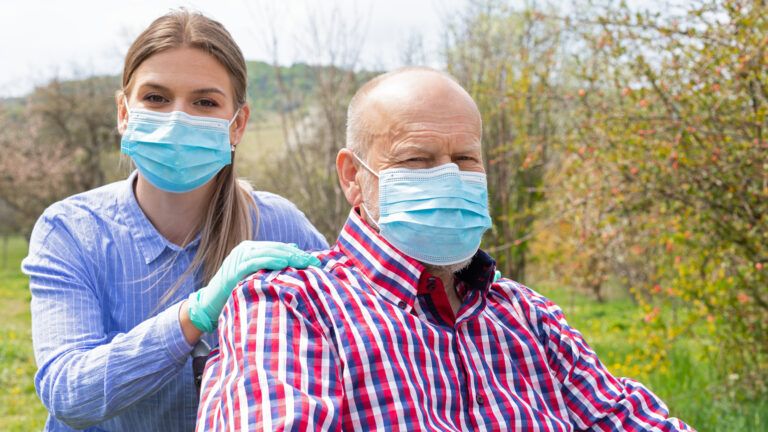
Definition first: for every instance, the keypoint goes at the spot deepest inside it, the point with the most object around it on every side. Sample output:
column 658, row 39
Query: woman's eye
column 155, row 98
column 207, row 103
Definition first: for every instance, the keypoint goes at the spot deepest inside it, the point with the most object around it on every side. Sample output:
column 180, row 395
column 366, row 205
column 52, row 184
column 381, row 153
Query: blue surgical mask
column 175, row 151
column 437, row 215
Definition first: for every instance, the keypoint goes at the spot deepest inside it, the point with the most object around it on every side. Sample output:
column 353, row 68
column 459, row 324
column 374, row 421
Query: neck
column 446, row 276
column 175, row 216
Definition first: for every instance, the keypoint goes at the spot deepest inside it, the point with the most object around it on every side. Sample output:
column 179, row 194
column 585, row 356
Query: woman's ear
column 122, row 111
column 347, row 167
column 237, row 130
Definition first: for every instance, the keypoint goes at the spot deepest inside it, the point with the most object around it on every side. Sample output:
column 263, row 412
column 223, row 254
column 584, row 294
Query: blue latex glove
column 248, row 257
column 496, row 275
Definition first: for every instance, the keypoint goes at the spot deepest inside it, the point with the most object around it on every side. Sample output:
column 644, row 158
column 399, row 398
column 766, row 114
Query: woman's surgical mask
column 437, row 215
column 175, row 151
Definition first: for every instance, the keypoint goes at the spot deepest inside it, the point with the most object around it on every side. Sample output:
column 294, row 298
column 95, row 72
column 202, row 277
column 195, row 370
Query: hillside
column 263, row 90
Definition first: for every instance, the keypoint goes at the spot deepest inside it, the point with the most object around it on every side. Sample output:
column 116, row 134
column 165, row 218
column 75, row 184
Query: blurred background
column 626, row 145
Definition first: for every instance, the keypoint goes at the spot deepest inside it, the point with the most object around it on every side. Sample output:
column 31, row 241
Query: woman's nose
column 179, row 105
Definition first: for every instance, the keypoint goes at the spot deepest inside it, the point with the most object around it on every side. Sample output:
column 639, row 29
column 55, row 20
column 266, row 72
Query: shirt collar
column 478, row 275
column 395, row 275
column 149, row 242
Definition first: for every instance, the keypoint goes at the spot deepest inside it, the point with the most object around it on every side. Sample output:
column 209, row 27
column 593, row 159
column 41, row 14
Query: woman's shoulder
column 273, row 200
column 280, row 220
column 99, row 202
column 275, row 208
column 80, row 215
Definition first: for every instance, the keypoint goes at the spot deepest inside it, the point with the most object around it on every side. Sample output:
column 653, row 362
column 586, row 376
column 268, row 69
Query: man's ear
column 122, row 111
column 237, row 130
column 347, row 167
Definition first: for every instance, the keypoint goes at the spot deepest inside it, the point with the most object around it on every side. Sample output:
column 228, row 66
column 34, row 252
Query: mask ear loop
column 364, row 164
column 127, row 108
column 231, row 145
column 362, row 204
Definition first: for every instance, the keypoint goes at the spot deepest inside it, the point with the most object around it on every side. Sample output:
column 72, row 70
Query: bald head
column 381, row 106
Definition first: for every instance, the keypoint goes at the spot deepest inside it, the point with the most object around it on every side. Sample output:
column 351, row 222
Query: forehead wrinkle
column 458, row 128
column 448, row 132
column 415, row 142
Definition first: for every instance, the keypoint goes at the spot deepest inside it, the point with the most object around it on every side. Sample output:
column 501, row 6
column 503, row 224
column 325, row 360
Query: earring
column 232, row 147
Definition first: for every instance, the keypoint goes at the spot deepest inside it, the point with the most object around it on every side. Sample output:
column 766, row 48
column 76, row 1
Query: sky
column 45, row 39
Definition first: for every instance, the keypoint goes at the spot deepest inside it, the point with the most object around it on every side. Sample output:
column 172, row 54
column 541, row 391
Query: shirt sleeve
column 274, row 368
column 86, row 376
column 596, row 400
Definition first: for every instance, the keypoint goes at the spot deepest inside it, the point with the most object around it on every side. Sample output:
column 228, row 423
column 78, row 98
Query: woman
column 127, row 277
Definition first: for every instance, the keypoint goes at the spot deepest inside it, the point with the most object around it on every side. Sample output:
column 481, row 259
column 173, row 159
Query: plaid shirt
column 370, row 342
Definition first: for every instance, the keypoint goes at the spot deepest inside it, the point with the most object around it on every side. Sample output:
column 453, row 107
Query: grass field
column 20, row 409
column 688, row 383
column 689, row 386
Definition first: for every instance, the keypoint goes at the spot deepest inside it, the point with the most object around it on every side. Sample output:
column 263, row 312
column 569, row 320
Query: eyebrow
column 205, row 90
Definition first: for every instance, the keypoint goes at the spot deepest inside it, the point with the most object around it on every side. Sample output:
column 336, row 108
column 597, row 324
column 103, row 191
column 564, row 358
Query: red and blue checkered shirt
column 370, row 342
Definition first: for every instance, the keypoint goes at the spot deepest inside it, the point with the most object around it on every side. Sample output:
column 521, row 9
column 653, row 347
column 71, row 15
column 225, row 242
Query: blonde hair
column 228, row 219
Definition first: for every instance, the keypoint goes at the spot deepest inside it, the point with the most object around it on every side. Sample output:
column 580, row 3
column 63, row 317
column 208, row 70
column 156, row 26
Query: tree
column 53, row 146
column 673, row 113
column 314, row 122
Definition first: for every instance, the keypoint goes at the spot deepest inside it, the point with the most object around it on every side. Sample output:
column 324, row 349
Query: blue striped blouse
column 108, row 357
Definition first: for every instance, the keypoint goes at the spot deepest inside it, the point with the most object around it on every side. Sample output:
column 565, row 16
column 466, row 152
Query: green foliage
column 264, row 92
column 669, row 159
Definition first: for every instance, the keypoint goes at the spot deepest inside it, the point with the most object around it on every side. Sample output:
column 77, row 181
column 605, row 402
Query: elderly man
column 403, row 326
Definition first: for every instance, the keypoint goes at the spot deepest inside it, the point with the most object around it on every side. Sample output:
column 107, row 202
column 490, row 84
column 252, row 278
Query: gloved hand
column 496, row 275
column 248, row 257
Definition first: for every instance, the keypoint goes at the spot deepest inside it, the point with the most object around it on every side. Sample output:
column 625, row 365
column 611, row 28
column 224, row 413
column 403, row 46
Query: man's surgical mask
column 175, row 151
column 436, row 215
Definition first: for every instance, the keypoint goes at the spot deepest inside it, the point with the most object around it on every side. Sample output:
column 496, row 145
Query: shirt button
column 401, row 305
column 431, row 284
column 480, row 400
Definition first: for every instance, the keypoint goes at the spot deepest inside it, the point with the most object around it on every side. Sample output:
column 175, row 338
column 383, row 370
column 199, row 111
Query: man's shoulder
column 528, row 303
column 515, row 291
column 299, row 288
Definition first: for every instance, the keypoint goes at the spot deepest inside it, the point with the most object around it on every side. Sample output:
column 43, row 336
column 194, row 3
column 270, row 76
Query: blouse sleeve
column 85, row 375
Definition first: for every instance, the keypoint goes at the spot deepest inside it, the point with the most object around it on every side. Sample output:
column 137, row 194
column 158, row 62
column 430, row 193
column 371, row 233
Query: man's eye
column 466, row 159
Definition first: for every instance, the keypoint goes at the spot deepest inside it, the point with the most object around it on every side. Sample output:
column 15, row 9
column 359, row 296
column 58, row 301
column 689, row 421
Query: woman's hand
column 248, row 257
